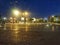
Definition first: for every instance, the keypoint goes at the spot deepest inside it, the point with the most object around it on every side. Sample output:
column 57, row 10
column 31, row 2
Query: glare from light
column 16, row 12
column 4, row 18
column 21, row 22
column 11, row 18
column 52, row 15
column 22, row 18
column 26, row 14
column 47, row 25
column 34, row 19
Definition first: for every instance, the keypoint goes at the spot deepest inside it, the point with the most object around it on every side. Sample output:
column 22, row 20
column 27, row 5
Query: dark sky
column 38, row 8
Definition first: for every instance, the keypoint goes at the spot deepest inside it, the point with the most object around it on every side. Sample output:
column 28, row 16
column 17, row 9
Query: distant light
column 22, row 18
column 16, row 12
column 34, row 19
column 4, row 18
column 47, row 25
column 11, row 18
column 26, row 13
column 21, row 22
column 52, row 15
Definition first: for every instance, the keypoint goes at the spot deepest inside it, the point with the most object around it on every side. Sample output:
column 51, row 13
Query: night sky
column 38, row 8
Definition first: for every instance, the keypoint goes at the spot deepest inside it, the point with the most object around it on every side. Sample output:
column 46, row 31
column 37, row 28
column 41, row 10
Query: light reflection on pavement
column 15, row 34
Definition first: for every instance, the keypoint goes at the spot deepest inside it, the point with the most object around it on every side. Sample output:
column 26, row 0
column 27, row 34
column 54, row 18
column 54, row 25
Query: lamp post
column 16, row 14
column 25, row 14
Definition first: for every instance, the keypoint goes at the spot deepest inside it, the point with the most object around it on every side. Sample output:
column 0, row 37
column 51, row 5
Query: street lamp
column 16, row 12
column 26, row 14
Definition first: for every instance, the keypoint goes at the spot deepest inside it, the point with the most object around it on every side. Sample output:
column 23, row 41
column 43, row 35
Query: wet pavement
column 15, row 34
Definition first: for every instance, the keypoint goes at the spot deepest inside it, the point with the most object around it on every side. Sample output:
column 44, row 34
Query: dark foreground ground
column 19, row 35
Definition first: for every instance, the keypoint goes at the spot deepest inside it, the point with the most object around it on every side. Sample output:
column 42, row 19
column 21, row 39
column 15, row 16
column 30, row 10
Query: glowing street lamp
column 16, row 12
column 25, row 14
